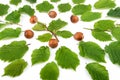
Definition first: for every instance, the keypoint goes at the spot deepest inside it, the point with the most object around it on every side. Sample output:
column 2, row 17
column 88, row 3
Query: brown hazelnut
column 33, row 19
column 53, row 43
column 29, row 34
column 74, row 19
column 52, row 14
column 78, row 36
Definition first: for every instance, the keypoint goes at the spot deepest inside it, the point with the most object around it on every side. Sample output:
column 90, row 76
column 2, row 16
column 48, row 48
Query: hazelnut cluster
column 53, row 43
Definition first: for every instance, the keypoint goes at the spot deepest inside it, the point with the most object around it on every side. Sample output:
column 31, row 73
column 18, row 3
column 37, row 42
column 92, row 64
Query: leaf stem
column 10, row 23
column 93, row 29
column 88, row 29
column 53, row 34
column 29, row 44
column 118, row 25
column 13, row 23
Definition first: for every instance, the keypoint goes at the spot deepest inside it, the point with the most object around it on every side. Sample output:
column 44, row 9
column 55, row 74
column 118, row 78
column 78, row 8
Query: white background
column 32, row 72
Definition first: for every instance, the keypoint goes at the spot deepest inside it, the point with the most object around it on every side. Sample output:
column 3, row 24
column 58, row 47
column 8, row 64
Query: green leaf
column 2, row 25
column 67, row 58
column 50, row 72
column 78, row 1
column 104, row 25
column 40, row 55
column 45, row 37
column 3, row 9
column 14, row 50
column 104, row 4
column 97, row 71
column 27, row 9
column 116, row 33
column 90, row 16
column 15, row 2
column 54, row 0
column 10, row 33
column 13, row 17
column 45, row 6
column 101, row 35
column 56, row 25
column 113, row 50
column 64, row 34
column 64, row 7
column 15, row 68
column 114, row 12
column 92, row 50
column 32, row 1
column 80, row 9
column 39, row 27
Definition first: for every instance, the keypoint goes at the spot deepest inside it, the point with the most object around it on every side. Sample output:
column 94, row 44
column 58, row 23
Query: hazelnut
column 33, row 19
column 78, row 36
column 74, row 19
column 52, row 14
column 53, row 43
column 29, row 34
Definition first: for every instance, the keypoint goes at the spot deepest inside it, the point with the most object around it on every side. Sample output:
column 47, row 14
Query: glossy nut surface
column 33, row 19
column 28, row 34
column 52, row 14
column 74, row 19
column 78, row 36
column 53, row 43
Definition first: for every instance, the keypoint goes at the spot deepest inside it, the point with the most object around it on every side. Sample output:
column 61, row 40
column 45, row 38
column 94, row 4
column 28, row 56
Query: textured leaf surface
column 104, row 25
column 45, row 6
column 101, row 35
column 116, row 33
column 50, row 72
column 90, row 16
column 40, row 55
column 78, row 1
column 92, row 50
column 80, row 9
column 97, row 71
column 27, row 9
column 67, row 58
column 13, row 17
column 56, row 25
column 114, row 12
column 113, row 50
column 3, row 9
column 32, row 1
column 15, row 2
column 103, row 4
column 45, row 37
column 64, row 7
column 14, row 50
column 15, row 68
column 10, row 33
column 64, row 34
column 39, row 27
column 54, row 0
